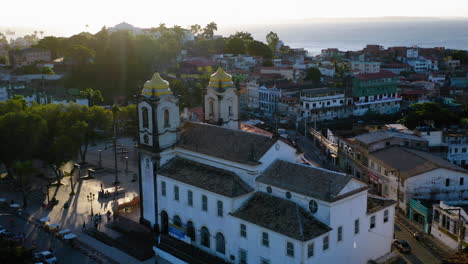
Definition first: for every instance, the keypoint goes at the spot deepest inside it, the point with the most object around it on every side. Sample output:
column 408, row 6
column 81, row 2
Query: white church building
column 218, row 194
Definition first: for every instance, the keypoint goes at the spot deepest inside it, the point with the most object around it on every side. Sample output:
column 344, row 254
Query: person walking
column 84, row 227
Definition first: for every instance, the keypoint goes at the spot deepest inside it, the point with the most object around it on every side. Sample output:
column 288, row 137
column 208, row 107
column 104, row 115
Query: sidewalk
column 79, row 210
column 439, row 249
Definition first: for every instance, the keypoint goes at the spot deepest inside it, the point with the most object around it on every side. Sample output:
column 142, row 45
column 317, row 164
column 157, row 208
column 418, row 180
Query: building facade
column 29, row 56
column 324, row 103
column 376, row 92
column 359, row 67
column 231, row 196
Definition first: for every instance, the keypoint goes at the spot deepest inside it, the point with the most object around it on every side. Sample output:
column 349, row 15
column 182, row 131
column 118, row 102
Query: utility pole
column 115, row 109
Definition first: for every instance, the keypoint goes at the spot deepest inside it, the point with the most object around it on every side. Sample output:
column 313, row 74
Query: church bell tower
column 158, row 129
column 222, row 101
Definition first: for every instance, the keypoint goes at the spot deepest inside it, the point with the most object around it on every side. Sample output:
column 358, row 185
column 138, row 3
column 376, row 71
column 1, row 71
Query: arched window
column 211, row 108
column 205, row 237
column 177, row 221
column 144, row 113
column 220, row 243
column 166, row 118
column 190, row 230
column 230, row 110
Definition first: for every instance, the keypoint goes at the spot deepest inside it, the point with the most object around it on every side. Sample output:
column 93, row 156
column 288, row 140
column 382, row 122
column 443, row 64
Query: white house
column 457, row 144
column 327, row 70
column 252, row 94
column 365, row 67
column 416, row 174
column 450, row 222
column 222, row 195
column 324, row 103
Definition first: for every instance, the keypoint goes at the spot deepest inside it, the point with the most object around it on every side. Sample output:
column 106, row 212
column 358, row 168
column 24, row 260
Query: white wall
column 148, row 191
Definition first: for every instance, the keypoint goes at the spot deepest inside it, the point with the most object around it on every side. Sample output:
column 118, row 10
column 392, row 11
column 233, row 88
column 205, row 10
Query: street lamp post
column 115, row 109
column 126, row 164
column 90, row 198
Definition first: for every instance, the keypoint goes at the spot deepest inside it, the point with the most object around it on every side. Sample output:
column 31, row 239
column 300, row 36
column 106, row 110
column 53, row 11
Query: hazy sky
column 67, row 15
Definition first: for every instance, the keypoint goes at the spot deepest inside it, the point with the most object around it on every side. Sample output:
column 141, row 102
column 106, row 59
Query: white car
column 2, row 229
column 46, row 257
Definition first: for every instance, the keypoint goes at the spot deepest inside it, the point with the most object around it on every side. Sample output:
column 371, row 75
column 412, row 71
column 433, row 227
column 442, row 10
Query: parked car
column 401, row 245
column 46, row 257
column 2, row 229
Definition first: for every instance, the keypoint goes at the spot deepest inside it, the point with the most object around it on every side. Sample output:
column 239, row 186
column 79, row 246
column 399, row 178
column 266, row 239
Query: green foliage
column 461, row 55
column 11, row 252
column 313, row 74
column 235, row 46
column 258, row 48
column 425, row 113
column 272, row 40
column 209, row 30
column 47, row 70
column 56, row 46
column 94, row 96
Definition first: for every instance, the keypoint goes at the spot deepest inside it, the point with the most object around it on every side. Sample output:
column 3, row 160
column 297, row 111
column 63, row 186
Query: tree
column 23, row 169
column 313, row 74
column 421, row 114
column 258, row 48
column 235, row 46
column 461, row 55
column 94, row 96
column 80, row 55
column 29, row 128
column 208, row 31
column 272, row 40
column 47, row 70
column 195, row 29
column 242, row 35
column 55, row 45
column 11, row 252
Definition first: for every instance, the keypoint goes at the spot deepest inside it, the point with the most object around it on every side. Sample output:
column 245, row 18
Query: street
column 44, row 241
column 419, row 254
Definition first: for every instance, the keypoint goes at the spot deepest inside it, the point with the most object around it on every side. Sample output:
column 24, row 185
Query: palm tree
column 87, row 28
column 195, row 29
column 35, row 32
column 209, row 30
column 178, row 31
column 162, row 27
column 42, row 33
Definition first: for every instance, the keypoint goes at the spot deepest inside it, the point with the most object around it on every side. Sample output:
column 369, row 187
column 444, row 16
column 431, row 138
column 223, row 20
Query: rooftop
column 377, row 136
column 377, row 75
column 375, row 204
column 410, row 162
column 311, row 181
column 205, row 177
column 224, row 143
column 281, row 216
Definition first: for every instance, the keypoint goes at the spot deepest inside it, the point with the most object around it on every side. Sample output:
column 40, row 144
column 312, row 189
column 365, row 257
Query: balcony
column 386, row 100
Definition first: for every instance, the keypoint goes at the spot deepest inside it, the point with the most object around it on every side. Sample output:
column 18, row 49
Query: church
column 218, row 194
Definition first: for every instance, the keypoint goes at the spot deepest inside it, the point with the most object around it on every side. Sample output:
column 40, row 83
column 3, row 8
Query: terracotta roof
column 411, row 162
column 254, row 129
column 311, row 181
column 377, row 75
column 224, row 143
column 375, row 204
column 281, row 216
column 206, row 177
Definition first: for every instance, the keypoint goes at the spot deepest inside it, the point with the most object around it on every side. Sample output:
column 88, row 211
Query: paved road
column 419, row 254
column 44, row 241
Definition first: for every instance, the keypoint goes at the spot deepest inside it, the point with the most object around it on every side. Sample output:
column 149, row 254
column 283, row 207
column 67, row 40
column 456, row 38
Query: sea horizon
column 345, row 34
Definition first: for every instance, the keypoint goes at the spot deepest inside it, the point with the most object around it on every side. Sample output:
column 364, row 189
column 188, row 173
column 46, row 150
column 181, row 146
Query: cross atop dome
column 156, row 87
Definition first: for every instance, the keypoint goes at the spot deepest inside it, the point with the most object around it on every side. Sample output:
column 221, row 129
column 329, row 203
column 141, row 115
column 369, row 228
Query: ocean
column 344, row 34
column 355, row 34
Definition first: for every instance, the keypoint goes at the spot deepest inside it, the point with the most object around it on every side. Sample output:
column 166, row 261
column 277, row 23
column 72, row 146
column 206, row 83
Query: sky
column 73, row 16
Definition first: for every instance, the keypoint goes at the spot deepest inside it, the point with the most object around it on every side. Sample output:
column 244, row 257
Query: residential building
column 268, row 98
column 452, row 64
column 415, row 174
column 354, row 152
column 359, row 67
column 327, row 70
column 29, row 56
column 231, row 196
column 376, row 92
column 253, row 94
column 286, row 72
column 422, row 64
column 324, row 103
column 450, row 223
column 437, row 77
column 331, row 53
column 457, row 146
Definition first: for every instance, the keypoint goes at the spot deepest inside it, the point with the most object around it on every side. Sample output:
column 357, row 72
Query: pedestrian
column 84, row 227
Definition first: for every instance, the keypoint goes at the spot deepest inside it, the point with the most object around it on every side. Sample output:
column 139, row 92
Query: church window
column 176, row 193
column 220, row 243
column 205, row 237
column 144, row 112
column 220, row 208
column 211, row 108
column 230, row 110
column 166, row 118
column 177, row 221
column 204, row 203
column 190, row 198
column 243, row 230
column 163, row 188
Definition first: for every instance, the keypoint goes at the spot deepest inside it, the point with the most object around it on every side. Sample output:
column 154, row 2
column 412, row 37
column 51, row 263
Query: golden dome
column 221, row 80
column 156, row 87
